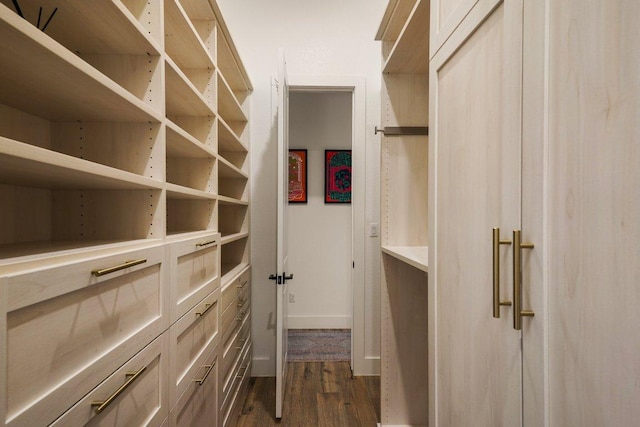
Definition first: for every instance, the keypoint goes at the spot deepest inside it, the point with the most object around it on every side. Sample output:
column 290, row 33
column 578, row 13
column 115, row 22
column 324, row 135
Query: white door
column 282, row 274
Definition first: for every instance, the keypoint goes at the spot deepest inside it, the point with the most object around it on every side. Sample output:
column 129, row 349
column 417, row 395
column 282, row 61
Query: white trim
column 262, row 366
column 319, row 322
column 360, row 365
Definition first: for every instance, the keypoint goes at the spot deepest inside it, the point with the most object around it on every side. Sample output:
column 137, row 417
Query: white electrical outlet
column 292, row 297
column 373, row 229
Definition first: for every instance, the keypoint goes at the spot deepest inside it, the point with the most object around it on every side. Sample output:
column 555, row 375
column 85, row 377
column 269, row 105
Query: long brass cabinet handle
column 210, row 242
column 207, row 307
column 518, row 312
column 496, row 273
column 126, row 264
column 206, row 374
column 102, row 405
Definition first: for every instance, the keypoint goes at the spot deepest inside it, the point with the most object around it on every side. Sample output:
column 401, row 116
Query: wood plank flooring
column 318, row 394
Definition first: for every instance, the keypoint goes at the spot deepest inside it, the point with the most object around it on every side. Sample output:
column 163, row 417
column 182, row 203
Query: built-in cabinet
column 124, row 186
column 533, row 213
column 404, row 33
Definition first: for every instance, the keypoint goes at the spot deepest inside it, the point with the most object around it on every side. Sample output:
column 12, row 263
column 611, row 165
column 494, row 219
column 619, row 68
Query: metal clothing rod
column 403, row 130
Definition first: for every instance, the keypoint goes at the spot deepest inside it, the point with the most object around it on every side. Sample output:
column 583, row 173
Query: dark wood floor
column 318, row 394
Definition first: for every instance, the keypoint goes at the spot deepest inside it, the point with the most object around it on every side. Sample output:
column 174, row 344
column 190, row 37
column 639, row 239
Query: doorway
column 326, row 240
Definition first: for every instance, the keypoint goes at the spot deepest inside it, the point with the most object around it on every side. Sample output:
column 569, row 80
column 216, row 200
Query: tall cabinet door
column 594, row 213
column 475, row 122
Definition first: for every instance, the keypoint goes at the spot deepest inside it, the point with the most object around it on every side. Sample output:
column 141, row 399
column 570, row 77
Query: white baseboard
column 263, row 367
column 319, row 322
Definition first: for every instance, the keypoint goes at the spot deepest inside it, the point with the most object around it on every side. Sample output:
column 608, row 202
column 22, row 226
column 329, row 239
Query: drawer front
column 232, row 352
column 229, row 384
column 233, row 319
column 195, row 271
column 191, row 336
column 144, row 401
column 234, row 397
column 198, row 405
column 231, row 292
column 67, row 329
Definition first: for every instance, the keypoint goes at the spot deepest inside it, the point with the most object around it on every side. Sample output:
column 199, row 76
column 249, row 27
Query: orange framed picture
column 297, row 176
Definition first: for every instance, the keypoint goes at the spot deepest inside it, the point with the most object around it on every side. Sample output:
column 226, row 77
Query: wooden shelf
column 234, row 73
column 416, row 256
column 227, row 170
column 228, row 106
column 182, row 144
column 41, row 77
column 395, row 17
column 90, row 26
column 183, row 98
column 182, row 42
column 179, row 192
column 228, row 140
column 233, row 220
column 410, row 53
column 224, row 200
column 230, row 271
column 25, row 165
column 229, row 238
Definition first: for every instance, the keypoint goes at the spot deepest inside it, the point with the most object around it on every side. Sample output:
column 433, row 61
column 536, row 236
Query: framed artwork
column 297, row 176
column 337, row 176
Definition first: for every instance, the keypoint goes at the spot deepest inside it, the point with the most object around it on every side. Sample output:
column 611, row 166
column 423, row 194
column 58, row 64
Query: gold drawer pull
column 240, row 316
column 518, row 312
column 206, row 374
column 242, row 371
column 242, row 302
column 496, row 273
column 243, row 284
column 101, row 406
column 210, row 242
column 241, row 342
column 122, row 266
column 207, row 307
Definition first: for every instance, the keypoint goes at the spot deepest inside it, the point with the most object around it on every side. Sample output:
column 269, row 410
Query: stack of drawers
column 140, row 336
column 236, row 346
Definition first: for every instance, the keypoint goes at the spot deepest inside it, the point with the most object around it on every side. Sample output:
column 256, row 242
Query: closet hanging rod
column 403, row 130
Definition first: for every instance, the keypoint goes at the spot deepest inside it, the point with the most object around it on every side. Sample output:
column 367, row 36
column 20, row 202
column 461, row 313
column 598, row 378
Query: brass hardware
column 241, row 342
column 242, row 302
column 496, row 273
column 122, row 266
column 207, row 307
column 134, row 376
column 210, row 242
column 242, row 371
column 402, row 130
column 518, row 312
column 206, row 374
column 240, row 316
column 241, row 286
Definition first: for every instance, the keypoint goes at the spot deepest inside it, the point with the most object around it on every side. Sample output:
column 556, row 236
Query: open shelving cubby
column 404, row 33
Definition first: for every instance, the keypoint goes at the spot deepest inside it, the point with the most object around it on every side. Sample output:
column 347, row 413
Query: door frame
column 360, row 364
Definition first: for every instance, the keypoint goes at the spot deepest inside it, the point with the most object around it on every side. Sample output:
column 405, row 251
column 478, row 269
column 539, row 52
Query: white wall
column 320, row 234
column 328, row 37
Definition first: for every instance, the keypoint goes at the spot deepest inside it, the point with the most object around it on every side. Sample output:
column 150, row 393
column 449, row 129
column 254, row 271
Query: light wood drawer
column 195, row 271
column 67, row 329
column 143, row 402
column 191, row 336
column 238, row 366
column 233, row 289
column 198, row 405
column 232, row 319
column 234, row 396
column 231, row 352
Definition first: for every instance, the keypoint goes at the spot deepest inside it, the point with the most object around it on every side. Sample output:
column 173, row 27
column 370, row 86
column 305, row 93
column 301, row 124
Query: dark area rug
column 318, row 345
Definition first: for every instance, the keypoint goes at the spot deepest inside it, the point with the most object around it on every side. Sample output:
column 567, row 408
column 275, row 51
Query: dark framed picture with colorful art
column 297, row 176
column 337, row 176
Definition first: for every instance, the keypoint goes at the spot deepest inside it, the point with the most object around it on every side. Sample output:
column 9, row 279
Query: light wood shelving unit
column 123, row 134
column 404, row 33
